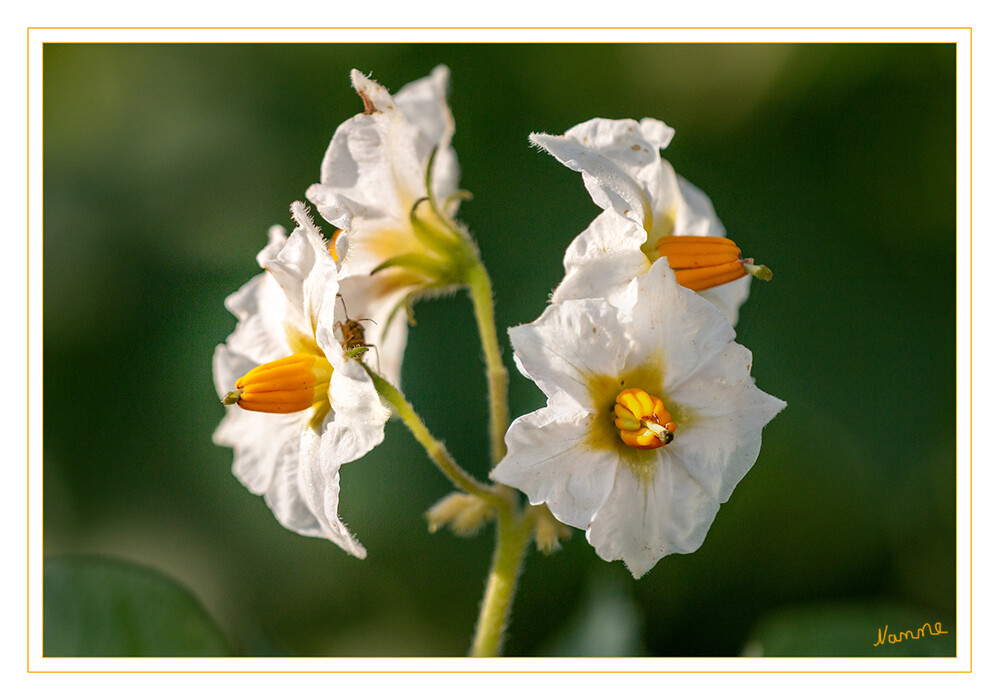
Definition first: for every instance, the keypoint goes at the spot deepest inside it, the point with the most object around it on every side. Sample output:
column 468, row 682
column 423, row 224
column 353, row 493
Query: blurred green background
column 165, row 164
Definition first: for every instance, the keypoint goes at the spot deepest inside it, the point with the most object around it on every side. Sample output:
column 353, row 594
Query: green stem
column 513, row 533
column 434, row 447
column 481, row 292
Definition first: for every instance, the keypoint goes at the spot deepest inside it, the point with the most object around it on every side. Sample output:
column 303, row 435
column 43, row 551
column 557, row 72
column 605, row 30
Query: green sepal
column 425, row 265
column 442, row 241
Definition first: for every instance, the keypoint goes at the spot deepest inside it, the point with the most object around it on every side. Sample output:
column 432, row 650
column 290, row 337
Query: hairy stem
column 513, row 533
column 481, row 292
column 434, row 447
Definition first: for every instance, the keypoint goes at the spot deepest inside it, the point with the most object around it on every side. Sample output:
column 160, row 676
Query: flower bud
column 462, row 512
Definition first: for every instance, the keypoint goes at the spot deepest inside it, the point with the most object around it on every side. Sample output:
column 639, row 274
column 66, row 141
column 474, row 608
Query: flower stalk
column 435, row 448
column 513, row 533
column 481, row 292
column 514, row 528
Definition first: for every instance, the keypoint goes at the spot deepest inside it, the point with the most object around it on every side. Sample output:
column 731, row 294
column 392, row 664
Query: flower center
column 702, row 262
column 643, row 420
column 293, row 383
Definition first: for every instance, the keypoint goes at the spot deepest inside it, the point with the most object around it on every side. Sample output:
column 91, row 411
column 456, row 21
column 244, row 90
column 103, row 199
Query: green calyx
column 448, row 253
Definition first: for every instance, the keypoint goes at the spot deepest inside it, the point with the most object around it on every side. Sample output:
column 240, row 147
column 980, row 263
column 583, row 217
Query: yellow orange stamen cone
column 643, row 420
column 293, row 383
column 702, row 262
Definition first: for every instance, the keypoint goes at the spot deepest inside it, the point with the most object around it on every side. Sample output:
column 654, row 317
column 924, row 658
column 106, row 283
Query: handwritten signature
column 919, row 633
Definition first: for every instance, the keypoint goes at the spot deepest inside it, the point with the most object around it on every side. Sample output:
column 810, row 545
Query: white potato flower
column 374, row 174
column 624, row 174
column 652, row 418
column 299, row 407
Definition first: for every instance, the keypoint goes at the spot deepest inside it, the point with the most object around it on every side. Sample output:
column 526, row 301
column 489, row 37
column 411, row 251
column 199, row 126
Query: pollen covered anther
column 702, row 262
column 293, row 383
column 642, row 419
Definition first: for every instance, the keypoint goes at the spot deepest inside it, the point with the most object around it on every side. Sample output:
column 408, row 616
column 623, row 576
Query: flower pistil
column 287, row 385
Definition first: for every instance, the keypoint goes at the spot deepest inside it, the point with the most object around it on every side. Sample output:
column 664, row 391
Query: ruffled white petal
column 695, row 214
column 424, row 102
column 643, row 522
column 729, row 297
column 285, row 497
column 357, row 407
column 549, row 460
column 258, row 439
column 621, row 167
column 260, row 308
column 603, row 259
column 375, row 164
column 569, row 343
column 319, row 483
column 721, row 441
column 675, row 324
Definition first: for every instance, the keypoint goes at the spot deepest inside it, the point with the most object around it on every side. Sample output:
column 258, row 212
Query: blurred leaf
column 606, row 624
column 102, row 607
column 853, row 629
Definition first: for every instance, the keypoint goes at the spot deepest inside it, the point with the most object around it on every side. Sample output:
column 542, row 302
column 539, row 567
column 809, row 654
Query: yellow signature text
column 896, row 637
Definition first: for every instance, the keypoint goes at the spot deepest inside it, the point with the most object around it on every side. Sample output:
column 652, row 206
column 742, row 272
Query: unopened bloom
column 298, row 406
column 652, row 418
column 625, row 175
column 374, row 189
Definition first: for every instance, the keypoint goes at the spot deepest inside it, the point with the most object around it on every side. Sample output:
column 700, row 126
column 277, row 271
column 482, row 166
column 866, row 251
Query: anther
column 642, row 419
column 702, row 262
column 293, row 383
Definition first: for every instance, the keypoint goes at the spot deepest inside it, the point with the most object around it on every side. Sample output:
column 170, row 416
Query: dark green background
column 164, row 165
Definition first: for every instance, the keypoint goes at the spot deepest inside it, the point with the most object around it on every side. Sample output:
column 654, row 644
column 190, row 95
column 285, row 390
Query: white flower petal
column 259, row 442
column 695, row 214
column 570, row 342
column 260, row 307
column 319, row 483
column 358, row 408
column 722, row 442
column 424, row 102
column 376, row 98
column 549, row 460
column 370, row 170
column 672, row 321
column 729, row 297
column 621, row 168
column 603, row 259
column 375, row 165
column 642, row 523
column 285, row 495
